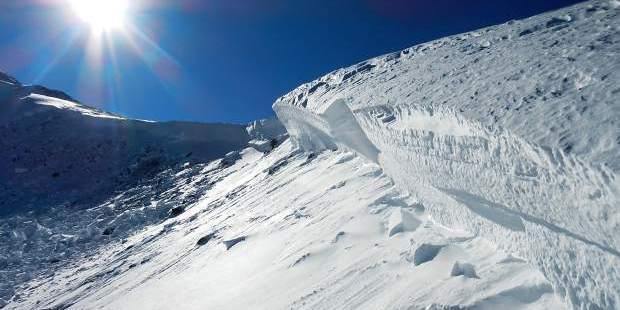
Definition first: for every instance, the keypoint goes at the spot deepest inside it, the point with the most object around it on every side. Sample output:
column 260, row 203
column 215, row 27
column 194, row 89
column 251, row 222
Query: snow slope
column 477, row 171
column 510, row 132
column 73, row 177
column 334, row 233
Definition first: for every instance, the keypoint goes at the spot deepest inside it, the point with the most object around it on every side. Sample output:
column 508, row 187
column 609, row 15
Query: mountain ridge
column 509, row 131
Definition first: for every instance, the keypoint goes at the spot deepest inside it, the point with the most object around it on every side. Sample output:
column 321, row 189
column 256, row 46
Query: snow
column 510, row 132
column 73, row 178
column 336, row 126
column 402, row 220
column 50, row 149
column 463, row 269
column 477, row 171
column 265, row 129
column 310, row 246
column 64, row 104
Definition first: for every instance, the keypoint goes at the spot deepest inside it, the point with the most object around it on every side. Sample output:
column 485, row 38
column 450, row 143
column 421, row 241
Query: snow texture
column 310, row 245
column 402, row 220
column 510, row 132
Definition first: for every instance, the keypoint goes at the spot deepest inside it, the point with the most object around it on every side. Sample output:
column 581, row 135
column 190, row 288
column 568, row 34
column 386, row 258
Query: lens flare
column 102, row 16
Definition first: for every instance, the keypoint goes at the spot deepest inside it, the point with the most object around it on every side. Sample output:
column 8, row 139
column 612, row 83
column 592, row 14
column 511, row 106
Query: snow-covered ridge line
column 11, row 90
column 554, row 59
column 69, row 105
column 509, row 132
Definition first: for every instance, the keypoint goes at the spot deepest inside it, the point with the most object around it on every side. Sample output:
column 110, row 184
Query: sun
column 102, row 16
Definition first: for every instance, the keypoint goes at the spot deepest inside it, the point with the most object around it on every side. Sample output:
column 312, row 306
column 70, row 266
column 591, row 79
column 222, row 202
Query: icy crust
column 335, row 233
column 510, row 132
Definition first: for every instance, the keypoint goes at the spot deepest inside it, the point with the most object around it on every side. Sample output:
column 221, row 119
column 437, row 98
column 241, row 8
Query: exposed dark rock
column 232, row 242
column 176, row 211
column 204, row 240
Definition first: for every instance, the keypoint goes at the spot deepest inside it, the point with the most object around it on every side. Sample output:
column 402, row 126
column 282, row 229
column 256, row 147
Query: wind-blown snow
column 510, row 132
column 311, row 245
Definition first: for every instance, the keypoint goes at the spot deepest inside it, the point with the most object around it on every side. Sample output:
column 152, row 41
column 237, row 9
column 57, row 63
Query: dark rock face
column 204, row 240
column 176, row 211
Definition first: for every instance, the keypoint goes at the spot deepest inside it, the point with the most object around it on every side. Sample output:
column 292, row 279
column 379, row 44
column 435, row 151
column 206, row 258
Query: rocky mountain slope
column 51, row 147
column 61, row 160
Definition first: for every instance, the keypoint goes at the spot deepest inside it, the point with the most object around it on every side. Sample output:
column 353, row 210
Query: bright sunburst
column 110, row 28
column 102, row 16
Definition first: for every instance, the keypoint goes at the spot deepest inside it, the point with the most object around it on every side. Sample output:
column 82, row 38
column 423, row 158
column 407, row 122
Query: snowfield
column 334, row 233
column 478, row 171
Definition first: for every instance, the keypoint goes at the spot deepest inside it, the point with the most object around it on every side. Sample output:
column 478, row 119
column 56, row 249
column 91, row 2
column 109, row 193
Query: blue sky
column 223, row 60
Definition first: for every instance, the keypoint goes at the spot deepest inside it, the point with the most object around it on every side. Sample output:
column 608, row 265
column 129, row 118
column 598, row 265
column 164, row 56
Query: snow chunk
column 265, row 129
column 511, row 259
column 346, row 130
column 463, row 269
column 426, row 253
column 336, row 126
column 402, row 220
column 230, row 158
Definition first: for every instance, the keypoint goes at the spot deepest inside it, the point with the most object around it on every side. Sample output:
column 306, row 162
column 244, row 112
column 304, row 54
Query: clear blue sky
column 224, row 60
